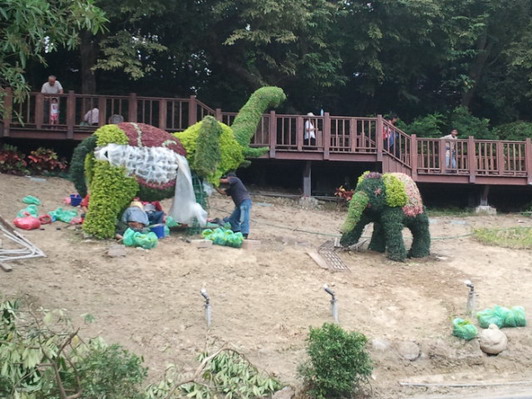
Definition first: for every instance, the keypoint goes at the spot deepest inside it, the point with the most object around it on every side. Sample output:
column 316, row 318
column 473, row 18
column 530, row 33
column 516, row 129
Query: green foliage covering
column 387, row 203
column 207, row 156
column 357, row 206
column 111, row 191
column 519, row 131
column 362, row 177
column 395, row 191
column 232, row 155
column 80, row 166
column 245, row 124
column 110, row 134
column 338, row 362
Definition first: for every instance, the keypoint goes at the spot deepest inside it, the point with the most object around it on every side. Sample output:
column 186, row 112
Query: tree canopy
column 412, row 57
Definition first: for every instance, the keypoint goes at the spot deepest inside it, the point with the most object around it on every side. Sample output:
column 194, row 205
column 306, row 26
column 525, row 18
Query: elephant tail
column 245, row 123
column 77, row 164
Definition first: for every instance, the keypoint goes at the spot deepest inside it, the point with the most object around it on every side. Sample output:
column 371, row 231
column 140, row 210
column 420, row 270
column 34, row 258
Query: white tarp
column 159, row 165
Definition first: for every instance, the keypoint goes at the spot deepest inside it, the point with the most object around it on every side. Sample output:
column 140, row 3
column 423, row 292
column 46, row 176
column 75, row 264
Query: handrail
column 335, row 137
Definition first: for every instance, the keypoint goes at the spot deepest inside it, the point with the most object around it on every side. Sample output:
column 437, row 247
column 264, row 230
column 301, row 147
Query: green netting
column 202, row 199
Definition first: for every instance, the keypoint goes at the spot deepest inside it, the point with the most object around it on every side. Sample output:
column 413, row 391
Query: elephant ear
column 395, row 191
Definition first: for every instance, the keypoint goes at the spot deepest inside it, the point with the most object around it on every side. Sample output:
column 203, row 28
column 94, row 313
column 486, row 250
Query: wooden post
column 500, row 158
column 307, row 179
column 71, row 114
column 132, row 108
column 39, row 110
column 326, row 135
column 442, row 152
column 413, row 155
column 273, row 133
column 192, row 111
column 163, row 113
column 299, row 133
column 353, row 135
column 484, row 196
column 102, row 108
column 218, row 114
column 8, row 110
column 472, row 159
column 528, row 159
column 379, row 138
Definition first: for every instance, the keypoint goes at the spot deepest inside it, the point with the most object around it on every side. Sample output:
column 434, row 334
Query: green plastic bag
column 224, row 237
column 502, row 317
column 63, row 215
column 30, row 199
column 31, row 210
column 136, row 239
column 170, row 222
column 464, row 329
column 515, row 317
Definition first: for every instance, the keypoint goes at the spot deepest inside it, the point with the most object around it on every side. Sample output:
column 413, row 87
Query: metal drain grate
column 327, row 251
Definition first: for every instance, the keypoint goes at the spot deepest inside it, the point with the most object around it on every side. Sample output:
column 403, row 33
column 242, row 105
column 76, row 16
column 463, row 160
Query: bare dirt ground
column 264, row 300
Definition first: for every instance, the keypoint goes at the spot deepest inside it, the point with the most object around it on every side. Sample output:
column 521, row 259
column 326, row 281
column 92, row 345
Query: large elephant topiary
column 391, row 201
column 119, row 162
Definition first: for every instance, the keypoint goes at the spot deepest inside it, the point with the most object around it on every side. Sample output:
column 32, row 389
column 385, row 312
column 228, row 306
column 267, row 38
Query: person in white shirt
column 310, row 131
column 92, row 117
column 48, row 89
column 450, row 149
column 52, row 86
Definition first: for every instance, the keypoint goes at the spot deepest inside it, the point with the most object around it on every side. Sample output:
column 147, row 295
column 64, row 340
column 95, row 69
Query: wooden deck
column 338, row 138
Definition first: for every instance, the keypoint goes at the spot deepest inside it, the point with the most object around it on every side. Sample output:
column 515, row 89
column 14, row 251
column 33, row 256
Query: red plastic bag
column 27, row 223
column 45, row 219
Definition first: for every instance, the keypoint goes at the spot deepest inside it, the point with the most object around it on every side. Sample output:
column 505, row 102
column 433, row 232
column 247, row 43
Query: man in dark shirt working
column 239, row 219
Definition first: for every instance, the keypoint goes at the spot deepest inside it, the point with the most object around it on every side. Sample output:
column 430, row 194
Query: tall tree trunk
column 89, row 54
column 475, row 72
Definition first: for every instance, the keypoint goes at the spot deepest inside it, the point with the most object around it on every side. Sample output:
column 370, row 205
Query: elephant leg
column 110, row 192
column 378, row 242
column 419, row 226
column 352, row 237
column 392, row 224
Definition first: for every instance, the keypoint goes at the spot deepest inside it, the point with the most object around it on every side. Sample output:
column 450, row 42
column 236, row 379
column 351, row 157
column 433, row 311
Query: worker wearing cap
column 135, row 216
column 240, row 217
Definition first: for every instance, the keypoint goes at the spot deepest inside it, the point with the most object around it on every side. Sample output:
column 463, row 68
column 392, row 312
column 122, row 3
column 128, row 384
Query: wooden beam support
column 307, row 179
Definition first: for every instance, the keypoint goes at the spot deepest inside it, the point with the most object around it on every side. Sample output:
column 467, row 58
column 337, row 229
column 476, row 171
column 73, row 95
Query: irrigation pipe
column 469, row 385
column 332, row 234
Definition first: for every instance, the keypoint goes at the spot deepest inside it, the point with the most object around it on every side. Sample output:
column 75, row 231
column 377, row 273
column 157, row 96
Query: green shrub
column 514, row 131
column 426, row 126
column 468, row 125
column 338, row 362
column 12, row 161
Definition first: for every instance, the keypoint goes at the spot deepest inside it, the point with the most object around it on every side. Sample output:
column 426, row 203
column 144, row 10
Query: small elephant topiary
column 391, row 201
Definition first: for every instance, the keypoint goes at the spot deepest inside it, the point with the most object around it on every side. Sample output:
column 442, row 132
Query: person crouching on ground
column 239, row 219
column 134, row 218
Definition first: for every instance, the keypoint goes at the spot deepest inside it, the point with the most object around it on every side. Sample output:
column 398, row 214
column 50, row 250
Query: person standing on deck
column 450, row 149
column 49, row 89
column 310, row 131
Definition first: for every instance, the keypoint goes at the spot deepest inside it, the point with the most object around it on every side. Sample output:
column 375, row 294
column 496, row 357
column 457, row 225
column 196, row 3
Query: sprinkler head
column 469, row 284
column 328, row 290
column 204, row 294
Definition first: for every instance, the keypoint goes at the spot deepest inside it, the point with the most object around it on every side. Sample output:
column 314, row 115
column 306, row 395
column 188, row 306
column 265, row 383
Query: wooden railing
column 335, row 137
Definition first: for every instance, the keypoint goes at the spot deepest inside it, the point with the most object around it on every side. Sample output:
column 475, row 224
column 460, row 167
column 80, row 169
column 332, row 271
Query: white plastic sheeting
column 185, row 208
column 159, row 165
column 153, row 164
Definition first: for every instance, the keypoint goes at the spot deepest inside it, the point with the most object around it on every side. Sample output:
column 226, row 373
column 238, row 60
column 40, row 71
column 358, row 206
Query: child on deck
column 54, row 111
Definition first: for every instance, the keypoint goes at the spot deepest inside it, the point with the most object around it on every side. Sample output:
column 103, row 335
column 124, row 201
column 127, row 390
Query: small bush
column 12, row 161
column 426, row 126
column 338, row 362
column 469, row 125
column 45, row 160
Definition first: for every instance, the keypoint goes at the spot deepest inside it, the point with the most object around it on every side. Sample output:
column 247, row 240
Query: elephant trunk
column 357, row 205
column 245, row 123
